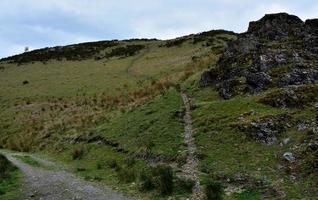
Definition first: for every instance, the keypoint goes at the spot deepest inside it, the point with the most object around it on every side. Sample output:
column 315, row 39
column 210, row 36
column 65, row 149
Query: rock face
column 277, row 51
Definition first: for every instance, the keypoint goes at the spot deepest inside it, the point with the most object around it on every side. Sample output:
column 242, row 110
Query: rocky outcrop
column 292, row 97
column 277, row 51
column 266, row 130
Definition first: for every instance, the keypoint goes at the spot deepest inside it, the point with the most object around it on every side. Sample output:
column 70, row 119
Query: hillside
column 214, row 113
column 108, row 100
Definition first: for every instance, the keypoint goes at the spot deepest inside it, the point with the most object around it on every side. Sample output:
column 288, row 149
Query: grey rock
column 258, row 81
column 275, row 26
column 277, row 50
column 299, row 76
column 303, row 126
column 286, row 141
column 289, row 156
column 206, row 79
column 265, row 130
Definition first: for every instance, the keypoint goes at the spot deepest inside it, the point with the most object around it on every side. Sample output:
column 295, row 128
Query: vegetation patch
column 72, row 52
column 29, row 160
column 152, row 131
column 126, row 51
column 10, row 180
column 307, row 154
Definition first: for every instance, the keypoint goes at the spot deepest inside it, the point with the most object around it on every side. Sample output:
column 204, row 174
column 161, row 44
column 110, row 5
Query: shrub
column 214, row 191
column 126, row 174
column 159, row 178
column 78, row 153
column 129, row 50
column 146, row 180
column 130, row 161
column 4, row 166
column 112, row 163
column 163, row 179
column 185, row 185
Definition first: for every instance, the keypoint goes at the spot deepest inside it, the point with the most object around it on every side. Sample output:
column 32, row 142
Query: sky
column 45, row 23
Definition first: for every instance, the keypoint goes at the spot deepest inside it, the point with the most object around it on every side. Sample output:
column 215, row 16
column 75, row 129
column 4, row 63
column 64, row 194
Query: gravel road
column 44, row 184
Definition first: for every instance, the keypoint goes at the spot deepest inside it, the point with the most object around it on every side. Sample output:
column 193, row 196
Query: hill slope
column 97, row 103
column 113, row 110
column 265, row 132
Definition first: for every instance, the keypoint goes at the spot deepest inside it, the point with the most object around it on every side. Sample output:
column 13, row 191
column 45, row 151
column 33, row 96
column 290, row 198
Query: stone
column 258, row 81
column 289, row 156
column 265, row 130
column 206, row 79
column 286, row 141
column 299, row 76
column 274, row 26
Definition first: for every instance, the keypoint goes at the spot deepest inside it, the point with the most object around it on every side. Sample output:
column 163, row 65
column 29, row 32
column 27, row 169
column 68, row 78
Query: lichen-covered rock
column 277, row 51
column 258, row 81
column 299, row 76
column 292, row 97
column 276, row 26
column 206, row 79
column 266, row 130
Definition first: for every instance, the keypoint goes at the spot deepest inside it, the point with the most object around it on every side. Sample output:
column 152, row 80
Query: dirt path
column 40, row 183
column 190, row 169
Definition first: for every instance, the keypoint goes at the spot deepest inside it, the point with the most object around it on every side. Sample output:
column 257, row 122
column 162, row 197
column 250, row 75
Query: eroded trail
column 190, row 169
column 44, row 184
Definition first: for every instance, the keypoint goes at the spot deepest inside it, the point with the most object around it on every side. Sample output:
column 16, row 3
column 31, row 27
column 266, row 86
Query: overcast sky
column 43, row 23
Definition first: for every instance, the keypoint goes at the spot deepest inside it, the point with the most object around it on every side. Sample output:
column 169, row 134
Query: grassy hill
column 95, row 105
column 112, row 110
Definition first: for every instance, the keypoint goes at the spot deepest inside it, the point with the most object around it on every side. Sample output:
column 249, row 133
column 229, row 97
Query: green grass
column 95, row 166
column 10, row 187
column 124, row 100
column 227, row 152
column 247, row 195
column 29, row 160
column 10, row 180
column 156, row 126
column 63, row 97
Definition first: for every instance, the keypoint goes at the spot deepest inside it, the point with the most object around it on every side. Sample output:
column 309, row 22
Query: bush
column 159, row 178
column 126, row 174
column 214, row 191
column 185, row 185
column 78, row 153
column 130, row 161
column 163, row 179
column 146, row 180
column 112, row 163
column 4, row 166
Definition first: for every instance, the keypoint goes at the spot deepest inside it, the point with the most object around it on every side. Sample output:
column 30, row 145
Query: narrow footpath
column 190, row 169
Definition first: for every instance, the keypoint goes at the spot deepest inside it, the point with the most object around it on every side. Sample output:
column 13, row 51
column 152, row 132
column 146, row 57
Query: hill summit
column 278, row 50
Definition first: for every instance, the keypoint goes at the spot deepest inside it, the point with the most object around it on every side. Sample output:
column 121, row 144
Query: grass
column 218, row 138
column 130, row 103
column 247, row 195
column 154, row 128
column 10, row 180
column 29, row 160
